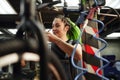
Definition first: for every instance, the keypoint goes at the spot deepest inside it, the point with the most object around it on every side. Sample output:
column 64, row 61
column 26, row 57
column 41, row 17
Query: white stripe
column 89, row 68
column 89, row 30
column 93, row 48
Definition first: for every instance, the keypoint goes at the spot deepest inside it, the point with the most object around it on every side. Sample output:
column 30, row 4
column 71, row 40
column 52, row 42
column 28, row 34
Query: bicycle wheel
column 55, row 68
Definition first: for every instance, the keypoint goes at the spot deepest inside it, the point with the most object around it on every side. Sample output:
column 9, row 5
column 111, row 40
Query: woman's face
column 59, row 28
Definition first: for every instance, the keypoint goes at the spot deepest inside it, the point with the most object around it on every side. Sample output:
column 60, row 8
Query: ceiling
column 112, row 23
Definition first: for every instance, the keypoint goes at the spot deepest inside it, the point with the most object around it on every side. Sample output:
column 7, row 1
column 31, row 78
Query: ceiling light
column 113, row 35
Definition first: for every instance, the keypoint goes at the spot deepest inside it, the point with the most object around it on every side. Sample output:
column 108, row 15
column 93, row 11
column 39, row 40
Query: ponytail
column 74, row 31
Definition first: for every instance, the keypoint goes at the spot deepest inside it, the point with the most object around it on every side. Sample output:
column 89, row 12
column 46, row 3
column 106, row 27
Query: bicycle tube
column 56, row 68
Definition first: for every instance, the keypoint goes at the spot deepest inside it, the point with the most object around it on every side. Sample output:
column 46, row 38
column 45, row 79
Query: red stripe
column 95, row 68
column 89, row 50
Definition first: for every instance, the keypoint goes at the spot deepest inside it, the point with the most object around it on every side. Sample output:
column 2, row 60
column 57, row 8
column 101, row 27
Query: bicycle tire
column 55, row 68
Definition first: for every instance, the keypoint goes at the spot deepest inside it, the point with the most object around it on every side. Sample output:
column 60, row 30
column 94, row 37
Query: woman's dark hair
column 64, row 19
column 74, row 31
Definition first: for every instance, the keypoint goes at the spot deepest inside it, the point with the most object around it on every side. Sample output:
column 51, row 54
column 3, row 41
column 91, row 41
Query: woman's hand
column 51, row 37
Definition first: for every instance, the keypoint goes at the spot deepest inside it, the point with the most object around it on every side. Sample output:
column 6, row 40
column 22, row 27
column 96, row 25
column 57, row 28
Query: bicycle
column 30, row 37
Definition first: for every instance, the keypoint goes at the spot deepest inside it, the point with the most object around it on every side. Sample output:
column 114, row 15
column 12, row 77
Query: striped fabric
column 90, row 46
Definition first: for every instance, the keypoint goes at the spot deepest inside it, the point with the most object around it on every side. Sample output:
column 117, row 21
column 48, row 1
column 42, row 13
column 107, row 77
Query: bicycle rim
column 55, row 68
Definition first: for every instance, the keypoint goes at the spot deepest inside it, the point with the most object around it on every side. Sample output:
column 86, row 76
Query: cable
column 84, row 70
column 96, row 53
column 99, row 3
column 96, row 2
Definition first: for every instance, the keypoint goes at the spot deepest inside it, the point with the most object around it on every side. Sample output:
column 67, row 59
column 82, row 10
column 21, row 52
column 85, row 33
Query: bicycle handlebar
column 39, row 7
column 17, row 45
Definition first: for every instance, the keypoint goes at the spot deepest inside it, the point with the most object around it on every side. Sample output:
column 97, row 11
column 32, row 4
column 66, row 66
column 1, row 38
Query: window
column 6, row 8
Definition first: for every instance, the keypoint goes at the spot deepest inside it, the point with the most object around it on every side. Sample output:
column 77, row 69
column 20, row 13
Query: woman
column 63, row 40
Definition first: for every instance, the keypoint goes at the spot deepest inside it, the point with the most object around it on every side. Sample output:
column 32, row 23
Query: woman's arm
column 66, row 47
